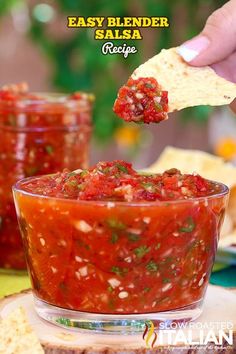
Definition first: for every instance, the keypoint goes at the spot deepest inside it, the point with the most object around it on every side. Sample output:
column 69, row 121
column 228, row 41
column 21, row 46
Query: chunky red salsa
column 118, row 181
column 39, row 134
column 111, row 240
column 142, row 101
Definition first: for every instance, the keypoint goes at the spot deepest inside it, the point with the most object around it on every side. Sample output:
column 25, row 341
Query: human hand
column 216, row 44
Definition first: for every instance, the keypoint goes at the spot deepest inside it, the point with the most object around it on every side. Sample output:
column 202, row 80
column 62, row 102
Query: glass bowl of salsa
column 110, row 248
column 39, row 134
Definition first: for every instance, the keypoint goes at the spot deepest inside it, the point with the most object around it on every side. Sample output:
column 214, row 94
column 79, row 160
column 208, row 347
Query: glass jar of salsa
column 134, row 247
column 39, row 133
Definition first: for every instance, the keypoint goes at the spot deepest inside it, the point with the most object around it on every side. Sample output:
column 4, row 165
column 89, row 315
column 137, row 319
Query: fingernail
column 191, row 49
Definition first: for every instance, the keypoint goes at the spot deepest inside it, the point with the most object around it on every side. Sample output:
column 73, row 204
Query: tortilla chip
column 208, row 166
column 228, row 240
column 16, row 335
column 189, row 161
column 187, row 86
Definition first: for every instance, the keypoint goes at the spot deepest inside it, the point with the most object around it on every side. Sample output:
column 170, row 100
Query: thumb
column 216, row 41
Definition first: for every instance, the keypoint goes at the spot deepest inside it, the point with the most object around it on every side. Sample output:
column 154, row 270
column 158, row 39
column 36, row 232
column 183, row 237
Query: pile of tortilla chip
column 17, row 336
column 210, row 167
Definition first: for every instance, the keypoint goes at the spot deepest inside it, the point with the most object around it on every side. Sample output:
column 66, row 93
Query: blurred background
column 37, row 47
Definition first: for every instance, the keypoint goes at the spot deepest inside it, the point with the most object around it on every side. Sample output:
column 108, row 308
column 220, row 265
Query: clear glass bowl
column 37, row 136
column 111, row 266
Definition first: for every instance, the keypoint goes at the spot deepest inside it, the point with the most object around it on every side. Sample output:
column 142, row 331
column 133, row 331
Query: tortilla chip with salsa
column 166, row 83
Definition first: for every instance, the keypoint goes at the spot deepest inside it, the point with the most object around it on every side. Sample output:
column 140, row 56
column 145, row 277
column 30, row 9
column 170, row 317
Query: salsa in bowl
column 39, row 134
column 110, row 242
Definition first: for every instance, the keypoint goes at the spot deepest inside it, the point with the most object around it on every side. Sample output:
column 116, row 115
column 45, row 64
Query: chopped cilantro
column 119, row 271
column 165, row 280
column 189, row 225
column 80, row 186
column 141, row 251
column 158, row 107
column 72, row 183
column 110, row 289
column 71, row 174
column 171, row 195
column 106, row 170
column 122, row 168
column 114, row 237
column 49, row 149
column 148, row 186
column 146, row 290
column 148, row 85
column 152, row 266
column 115, row 224
column 158, row 246
column 83, row 173
column 133, row 237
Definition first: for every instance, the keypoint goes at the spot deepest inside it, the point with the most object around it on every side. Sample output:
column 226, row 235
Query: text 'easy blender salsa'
column 39, row 134
column 112, row 240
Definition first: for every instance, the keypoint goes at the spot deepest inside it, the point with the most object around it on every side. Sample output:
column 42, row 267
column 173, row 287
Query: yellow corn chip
column 16, row 335
column 187, row 86
column 189, row 161
column 208, row 166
